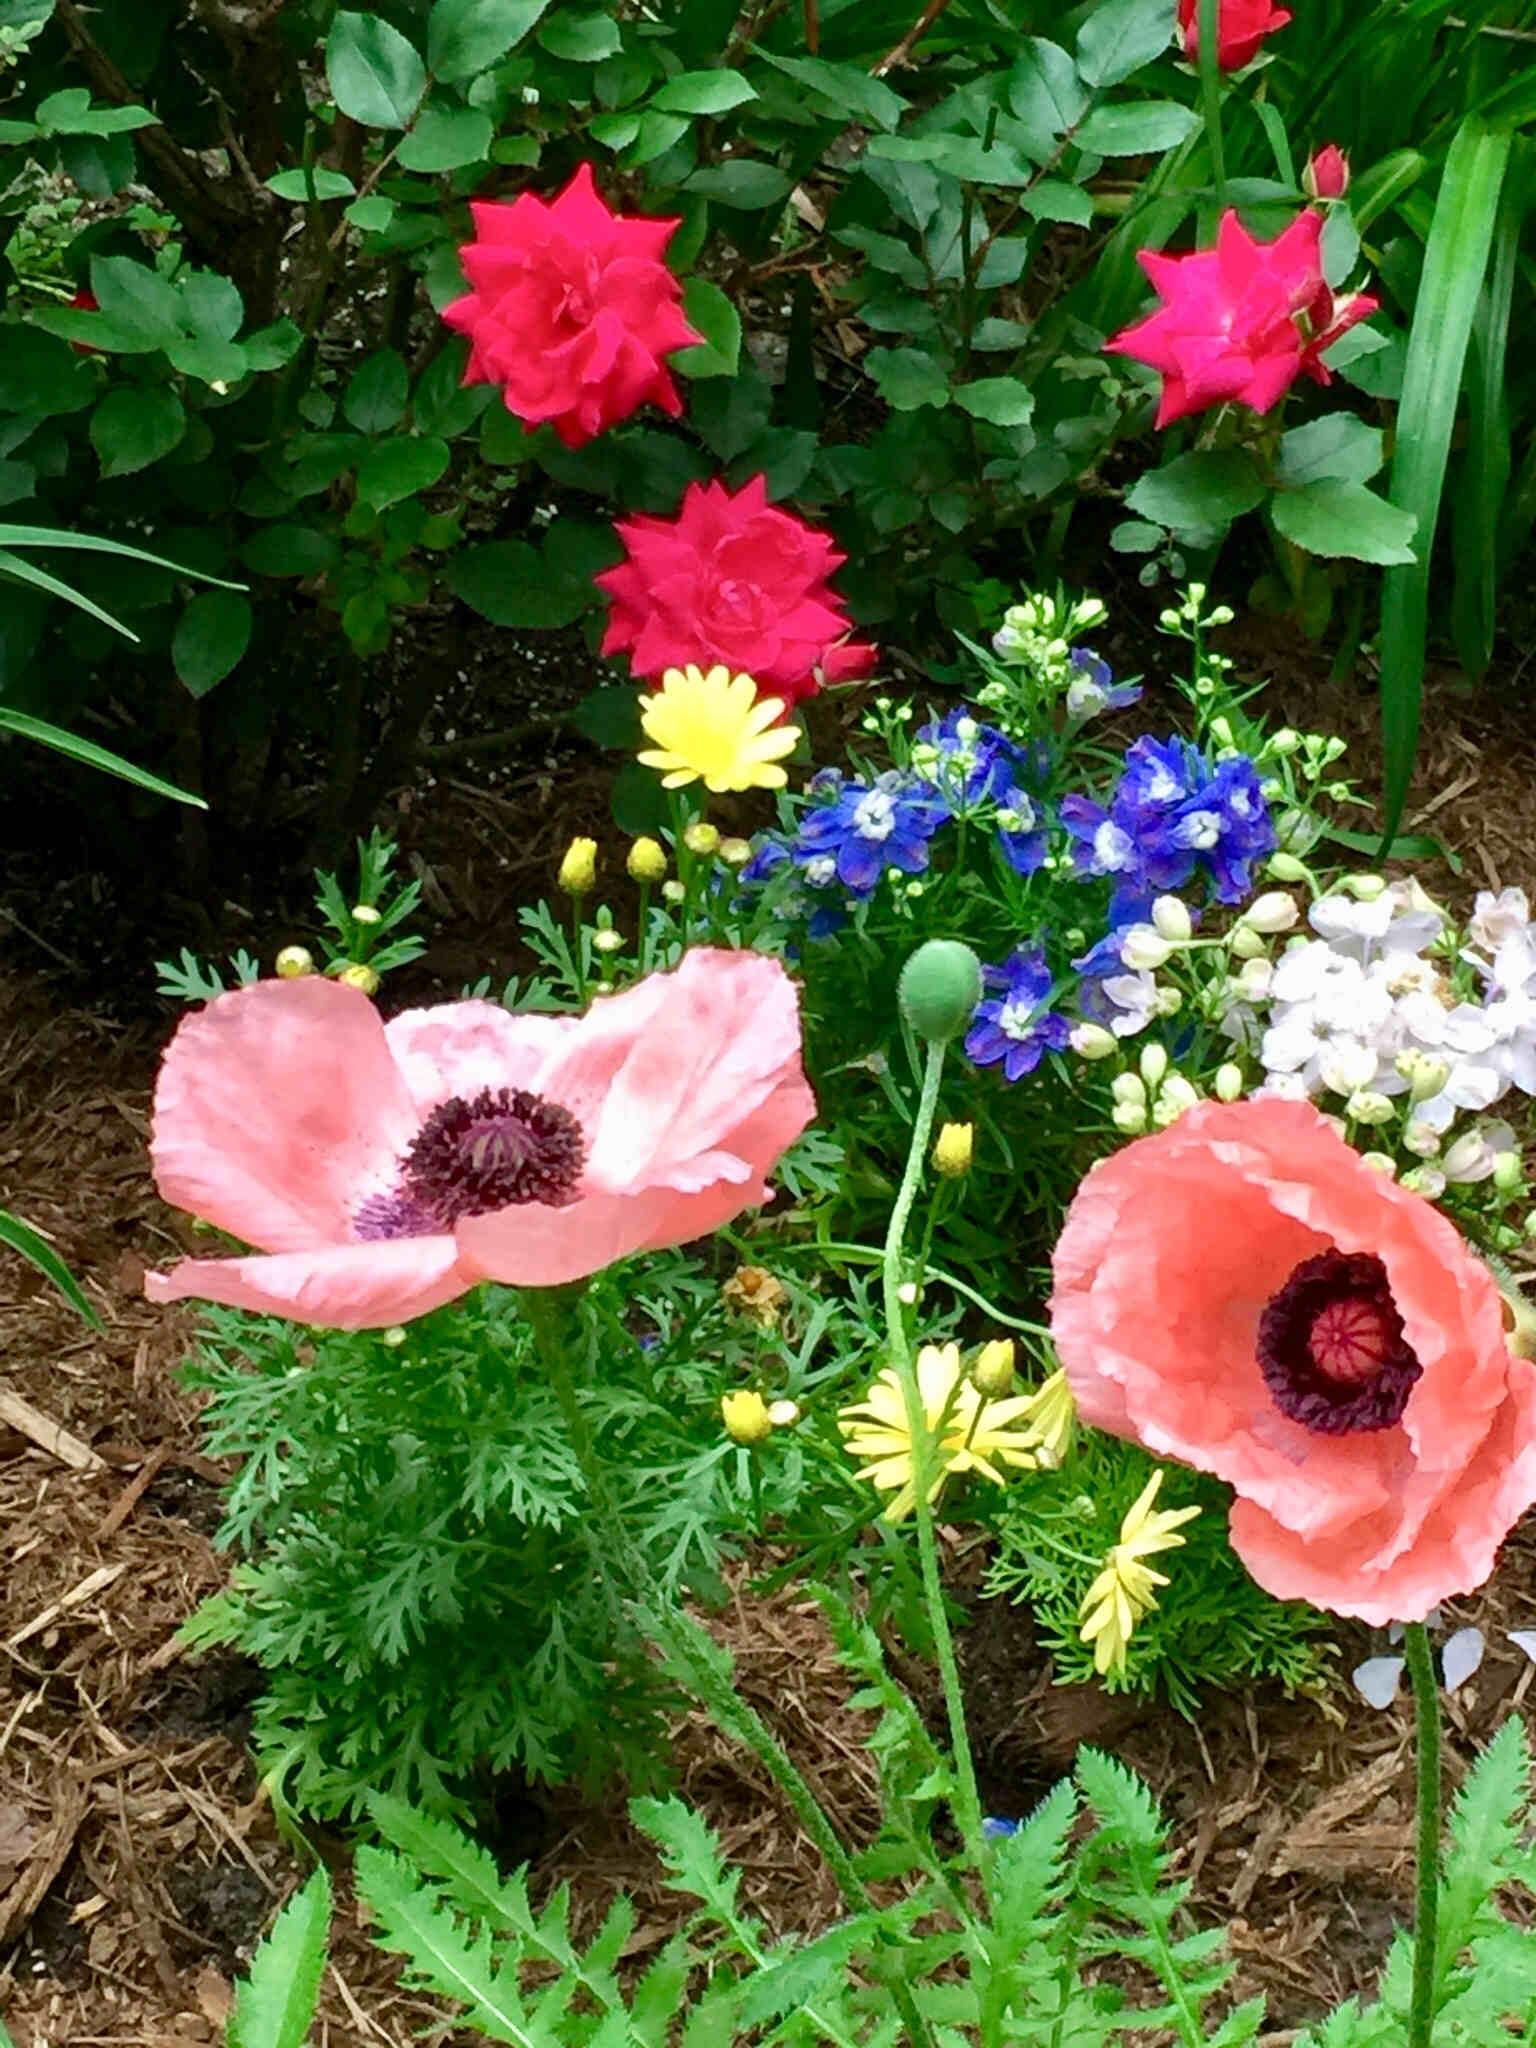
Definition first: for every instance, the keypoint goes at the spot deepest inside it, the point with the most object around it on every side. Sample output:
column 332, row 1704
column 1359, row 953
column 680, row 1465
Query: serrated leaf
column 710, row 313
column 703, row 92
column 1209, row 488
column 908, row 377
column 1138, row 128
column 1004, row 401
column 446, row 138
column 275, row 2005
column 400, row 467
column 1120, row 36
column 466, row 36
column 1339, row 446
column 441, row 1955
column 375, row 74
column 316, row 182
column 135, row 425
column 1332, row 519
column 211, row 637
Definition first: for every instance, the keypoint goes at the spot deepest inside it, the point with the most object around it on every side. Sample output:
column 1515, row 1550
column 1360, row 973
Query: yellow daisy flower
column 715, row 729
column 973, row 1433
column 1126, row 1589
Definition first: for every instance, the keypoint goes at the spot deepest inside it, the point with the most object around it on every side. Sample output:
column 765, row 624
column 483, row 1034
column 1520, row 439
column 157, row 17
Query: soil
column 139, row 1858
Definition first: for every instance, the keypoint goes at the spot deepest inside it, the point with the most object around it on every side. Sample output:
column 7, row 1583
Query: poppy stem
column 968, row 1799
column 1426, row 1701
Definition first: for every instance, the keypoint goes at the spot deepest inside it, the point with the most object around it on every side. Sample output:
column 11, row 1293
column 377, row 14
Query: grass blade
column 1452, row 282
column 1485, row 468
column 64, row 742
column 21, row 1237
column 28, row 572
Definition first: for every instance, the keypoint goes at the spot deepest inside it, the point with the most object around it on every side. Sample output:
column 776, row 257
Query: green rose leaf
column 442, row 402
column 1208, row 489
column 1140, row 128
column 132, row 428
column 211, row 636
column 710, row 313
column 908, row 377
column 370, row 215
column 511, row 584
column 466, row 36
column 445, row 138
column 70, row 113
column 1330, row 518
column 1121, row 36
column 375, row 75
column 376, row 393
column 580, row 38
column 703, row 92
column 1004, row 401
column 1338, row 446
column 136, row 301
column 41, row 374
column 399, row 468
column 1046, row 94
column 742, row 182
column 843, row 90
column 290, row 550
column 316, row 183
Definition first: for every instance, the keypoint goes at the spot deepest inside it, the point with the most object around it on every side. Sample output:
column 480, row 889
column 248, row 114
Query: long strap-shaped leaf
column 64, row 742
column 21, row 1237
column 1454, row 264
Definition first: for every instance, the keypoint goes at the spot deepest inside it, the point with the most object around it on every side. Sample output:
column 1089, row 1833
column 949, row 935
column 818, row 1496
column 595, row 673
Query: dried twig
column 47, row 1434
column 903, row 50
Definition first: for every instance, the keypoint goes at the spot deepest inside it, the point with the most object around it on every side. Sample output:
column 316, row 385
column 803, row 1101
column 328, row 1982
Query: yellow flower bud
column 735, row 852
column 578, row 870
column 394, row 1336
column 358, row 974
column 746, row 1417
column 606, row 940
column 674, row 891
column 952, row 1150
column 366, row 913
column 992, row 1367
column 782, row 1413
column 701, row 837
column 647, row 860
column 294, row 961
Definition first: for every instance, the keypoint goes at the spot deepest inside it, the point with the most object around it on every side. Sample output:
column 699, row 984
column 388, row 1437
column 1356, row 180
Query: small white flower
column 874, row 815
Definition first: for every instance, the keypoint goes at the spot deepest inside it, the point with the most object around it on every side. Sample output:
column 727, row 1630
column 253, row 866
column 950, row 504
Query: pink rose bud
column 1327, row 174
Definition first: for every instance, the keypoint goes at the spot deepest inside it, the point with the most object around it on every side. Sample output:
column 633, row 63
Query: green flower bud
column 1229, row 1081
column 1507, row 1172
column 939, row 989
column 1285, row 867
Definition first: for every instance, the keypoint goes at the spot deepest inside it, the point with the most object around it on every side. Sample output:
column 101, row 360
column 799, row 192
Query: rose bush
column 735, row 580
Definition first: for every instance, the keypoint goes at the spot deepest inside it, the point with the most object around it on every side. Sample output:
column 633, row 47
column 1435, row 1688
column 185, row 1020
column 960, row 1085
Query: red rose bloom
column 1243, row 1293
column 571, row 310
column 1241, row 26
column 732, row 580
column 1241, row 321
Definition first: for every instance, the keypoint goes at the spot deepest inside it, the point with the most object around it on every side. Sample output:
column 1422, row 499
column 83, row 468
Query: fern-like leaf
column 275, row 2005
column 441, row 1955
column 1483, row 1839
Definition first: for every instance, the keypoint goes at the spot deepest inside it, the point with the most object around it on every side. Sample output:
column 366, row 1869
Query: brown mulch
column 139, row 1860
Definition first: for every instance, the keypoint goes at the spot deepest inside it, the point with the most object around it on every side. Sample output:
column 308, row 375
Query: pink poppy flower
column 384, row 1169
column 1241, row 1292
column 1240, row 322
column 570, row 310
column 1241, row 28
column 732, row 579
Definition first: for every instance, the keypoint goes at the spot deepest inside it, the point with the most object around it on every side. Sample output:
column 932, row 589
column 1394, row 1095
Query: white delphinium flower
column 1497, row 918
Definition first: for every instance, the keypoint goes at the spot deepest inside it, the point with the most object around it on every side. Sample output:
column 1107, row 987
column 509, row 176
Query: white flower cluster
column 1368, row 1011
column 1040, row 633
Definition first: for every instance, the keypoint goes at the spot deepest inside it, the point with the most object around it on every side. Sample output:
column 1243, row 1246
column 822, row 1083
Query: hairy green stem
column 968, row 1800
column 1426, row 1704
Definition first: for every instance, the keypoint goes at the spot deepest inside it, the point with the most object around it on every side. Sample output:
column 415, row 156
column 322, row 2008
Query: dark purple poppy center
column 1331, row 1346
column 495, row 1150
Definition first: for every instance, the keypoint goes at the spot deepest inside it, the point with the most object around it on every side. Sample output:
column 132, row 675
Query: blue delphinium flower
column 971, row 765
column 1172, row 817
column 868, row 828
column 1093, row 688
column 1011, row 1025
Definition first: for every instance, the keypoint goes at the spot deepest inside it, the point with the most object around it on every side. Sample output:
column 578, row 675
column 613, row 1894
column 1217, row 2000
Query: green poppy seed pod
column 939, row 989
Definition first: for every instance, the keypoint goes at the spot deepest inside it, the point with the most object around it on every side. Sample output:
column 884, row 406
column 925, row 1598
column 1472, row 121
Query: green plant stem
column 1208, row 60
column 1426, row 1703
column 551, row 1312
column 968, row 1800
column 578, row 971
